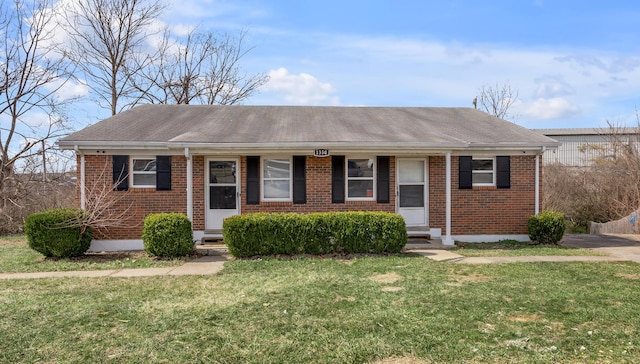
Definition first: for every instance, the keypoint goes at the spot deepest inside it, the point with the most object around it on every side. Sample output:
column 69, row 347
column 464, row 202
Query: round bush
column 167, row 235
column 58, row 233
column 547, row 227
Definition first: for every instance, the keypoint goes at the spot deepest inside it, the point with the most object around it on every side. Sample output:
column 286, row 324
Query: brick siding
column 319, row 192
column 139, row 202
column 481, row 210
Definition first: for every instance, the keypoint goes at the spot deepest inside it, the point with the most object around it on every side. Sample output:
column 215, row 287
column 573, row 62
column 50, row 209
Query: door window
column 222, row 185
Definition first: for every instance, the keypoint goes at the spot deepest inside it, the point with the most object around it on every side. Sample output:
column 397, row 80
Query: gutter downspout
column 83, row 197
column 448, row 240
column 189, row 185
column 537, row 190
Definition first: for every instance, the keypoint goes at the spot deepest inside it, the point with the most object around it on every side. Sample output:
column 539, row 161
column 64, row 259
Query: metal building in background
column 580, row 146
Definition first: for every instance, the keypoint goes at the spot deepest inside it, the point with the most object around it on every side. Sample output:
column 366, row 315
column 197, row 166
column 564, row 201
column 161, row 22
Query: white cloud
column 553, row 86
column 69, row 89
column 300, row 89
column 39, row 120
column 547, row 109
column 552, row 83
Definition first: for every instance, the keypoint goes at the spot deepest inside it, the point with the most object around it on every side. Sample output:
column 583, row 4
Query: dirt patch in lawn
column 386, row 278
column 391, row 289
column 526, row 318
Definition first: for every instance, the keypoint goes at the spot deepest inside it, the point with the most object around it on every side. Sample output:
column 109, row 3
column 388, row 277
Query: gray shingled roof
column 299, row 125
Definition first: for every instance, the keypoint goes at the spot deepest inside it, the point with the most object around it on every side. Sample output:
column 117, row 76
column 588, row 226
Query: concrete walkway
column 623, row 246
column 618, row 248
column 206, row 265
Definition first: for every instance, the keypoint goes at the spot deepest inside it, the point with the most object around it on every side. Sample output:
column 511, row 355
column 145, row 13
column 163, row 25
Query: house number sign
column 321, row 152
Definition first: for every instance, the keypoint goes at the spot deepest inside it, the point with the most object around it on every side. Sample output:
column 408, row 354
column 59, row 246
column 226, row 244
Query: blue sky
column 575, row 63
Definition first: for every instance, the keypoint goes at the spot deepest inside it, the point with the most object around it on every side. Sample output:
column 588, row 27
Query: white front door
column 412, row 191
column 221, row 191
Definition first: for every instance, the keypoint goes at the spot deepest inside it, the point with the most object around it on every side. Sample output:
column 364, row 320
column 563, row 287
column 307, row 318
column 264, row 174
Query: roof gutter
column 355, row 146
column 72, row 145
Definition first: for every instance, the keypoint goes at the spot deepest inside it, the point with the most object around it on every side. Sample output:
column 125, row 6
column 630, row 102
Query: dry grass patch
column 460, row 280
column 391, row 289
column 11, row 239
column 526, row 318
column 348, row 299
column 628, row 276
column 387, row 278
column 402, row 360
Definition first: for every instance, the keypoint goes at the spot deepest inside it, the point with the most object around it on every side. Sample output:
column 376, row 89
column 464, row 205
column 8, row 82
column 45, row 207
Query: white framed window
column 142, row 171
column 483, row 171
column 276, row 179
column 360, row 179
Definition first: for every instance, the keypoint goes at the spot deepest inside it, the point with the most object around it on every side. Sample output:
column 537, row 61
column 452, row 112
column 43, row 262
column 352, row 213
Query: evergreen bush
column 547, row 227
column 167, row 235
column 316, row 233
column 58, row 232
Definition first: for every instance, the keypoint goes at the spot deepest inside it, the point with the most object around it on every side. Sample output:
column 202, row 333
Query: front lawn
column 513, row 248
column 364, row 310
column 17, row 257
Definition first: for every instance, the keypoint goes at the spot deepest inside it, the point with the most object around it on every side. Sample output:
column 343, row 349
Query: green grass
column 17, row 257
column 331, row 311
column 512, row 248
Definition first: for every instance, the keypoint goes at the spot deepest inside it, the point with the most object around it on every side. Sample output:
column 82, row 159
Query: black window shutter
column 163, row 173
column 465, row 172
column 121, row 172
column 503, row 170
column 337, row 179
column 253, row 180
column 299, row 179
column 383, row 180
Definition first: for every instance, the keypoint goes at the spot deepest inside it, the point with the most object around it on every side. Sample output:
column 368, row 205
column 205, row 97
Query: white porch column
column 448, row 240
column 189, row 184
column 537, row 193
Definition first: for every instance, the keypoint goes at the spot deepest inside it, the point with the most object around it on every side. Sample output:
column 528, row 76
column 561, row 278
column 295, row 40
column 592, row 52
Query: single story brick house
column 453, row 173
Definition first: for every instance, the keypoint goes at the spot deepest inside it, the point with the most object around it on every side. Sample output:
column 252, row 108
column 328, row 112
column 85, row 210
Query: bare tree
column 607, row 189
column 224, row 83
column 498, row 100
column 204, row 70
column 104, row 209
column 174, row 76
column 108, row 43
column 31, row 74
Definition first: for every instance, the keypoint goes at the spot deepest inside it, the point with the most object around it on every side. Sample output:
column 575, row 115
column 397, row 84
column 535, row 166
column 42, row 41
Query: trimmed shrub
column 316, row 233
column 58, row 233
column 547, row 227
column 167, row 235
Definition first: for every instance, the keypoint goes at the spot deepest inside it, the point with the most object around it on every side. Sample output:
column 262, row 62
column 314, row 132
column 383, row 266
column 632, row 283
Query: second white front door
column 412, row 191
column 221, row 191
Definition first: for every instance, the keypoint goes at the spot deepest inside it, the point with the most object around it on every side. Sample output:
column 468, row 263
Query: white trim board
column 115, row 245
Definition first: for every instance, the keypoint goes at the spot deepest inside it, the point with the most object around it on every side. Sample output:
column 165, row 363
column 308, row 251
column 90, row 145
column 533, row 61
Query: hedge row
column 315, row 233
